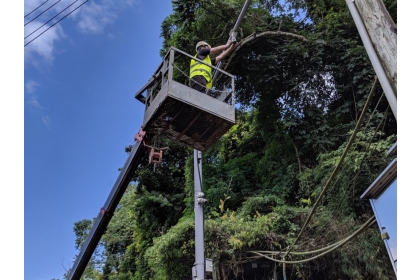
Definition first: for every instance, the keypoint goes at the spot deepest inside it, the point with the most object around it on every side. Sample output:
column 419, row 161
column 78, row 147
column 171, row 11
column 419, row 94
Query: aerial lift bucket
column 182, row 114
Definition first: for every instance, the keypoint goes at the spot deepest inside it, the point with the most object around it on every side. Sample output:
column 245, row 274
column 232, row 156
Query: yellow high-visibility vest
column 198, row 68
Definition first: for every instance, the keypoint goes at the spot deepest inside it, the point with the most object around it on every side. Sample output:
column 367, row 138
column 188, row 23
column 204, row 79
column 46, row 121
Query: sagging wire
column 322, row 251
column 338, row 165
column 364, row 155
column 368, row 150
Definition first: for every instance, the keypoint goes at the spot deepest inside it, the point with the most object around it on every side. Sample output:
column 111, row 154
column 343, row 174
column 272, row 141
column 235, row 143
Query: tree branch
column 254, row 36
column 297, row 156
column 223, row 32
column 216, row 14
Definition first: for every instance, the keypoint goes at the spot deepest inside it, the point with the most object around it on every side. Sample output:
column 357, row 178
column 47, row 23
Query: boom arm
column 234, row 31
column 105, row 215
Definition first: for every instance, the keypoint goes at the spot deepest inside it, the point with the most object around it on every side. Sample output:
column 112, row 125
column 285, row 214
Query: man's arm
column 221, row 47
column 221, row 56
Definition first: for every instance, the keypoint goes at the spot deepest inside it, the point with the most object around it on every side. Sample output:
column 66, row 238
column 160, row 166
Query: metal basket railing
column 180, row 113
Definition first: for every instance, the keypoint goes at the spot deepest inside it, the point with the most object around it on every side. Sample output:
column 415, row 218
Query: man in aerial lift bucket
column 201, row 74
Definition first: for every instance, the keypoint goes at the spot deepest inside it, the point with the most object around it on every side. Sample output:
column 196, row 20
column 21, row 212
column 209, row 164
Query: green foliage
column 172, row 254
column 365, row 160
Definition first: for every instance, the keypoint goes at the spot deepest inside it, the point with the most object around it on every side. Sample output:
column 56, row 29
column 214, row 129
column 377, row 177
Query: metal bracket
column 233, row 35
column 385, row 236
column 200, row 198
column 155, row 156
column 104, row 212
column 140, row 135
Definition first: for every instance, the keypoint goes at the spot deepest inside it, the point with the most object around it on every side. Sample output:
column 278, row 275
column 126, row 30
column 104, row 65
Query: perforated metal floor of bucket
column 187, row 125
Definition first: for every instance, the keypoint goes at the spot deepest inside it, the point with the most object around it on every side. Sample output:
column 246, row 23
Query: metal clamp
column 233, row 35
column 200, row 198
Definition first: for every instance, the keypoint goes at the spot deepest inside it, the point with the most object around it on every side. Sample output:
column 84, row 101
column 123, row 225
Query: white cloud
column 46, row 120
column 34, row 102
column 42, row 46
column 91, row 17
column 111, row 36
column 94, row 18
column 31, row 85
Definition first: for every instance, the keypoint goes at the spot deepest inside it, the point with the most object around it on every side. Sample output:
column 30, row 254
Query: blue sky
column 80, row 78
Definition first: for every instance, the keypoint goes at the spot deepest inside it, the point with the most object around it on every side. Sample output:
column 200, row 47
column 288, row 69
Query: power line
column 42, row 13
column 56, row 23
column 36, row 8
column 323, row 251
column 337, row 165
column 366, row 155
column 51, row 19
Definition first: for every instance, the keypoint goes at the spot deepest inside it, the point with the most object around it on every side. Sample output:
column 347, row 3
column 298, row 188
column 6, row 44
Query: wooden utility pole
column 379, row 35
column 383, row 33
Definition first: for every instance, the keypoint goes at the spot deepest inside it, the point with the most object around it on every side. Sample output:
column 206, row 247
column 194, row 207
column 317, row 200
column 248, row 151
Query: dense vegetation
column 302, row 79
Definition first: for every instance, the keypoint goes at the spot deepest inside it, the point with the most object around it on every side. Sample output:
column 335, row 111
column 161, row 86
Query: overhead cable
column 50, row 19
column 56, row 23
column 41, row 13
column 365, row 155
column 36, row 8
column 368, row 151
column 359, row 122
column 323, row 251
column 371, row 116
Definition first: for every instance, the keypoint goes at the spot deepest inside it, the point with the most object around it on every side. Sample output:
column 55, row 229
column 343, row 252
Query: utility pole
column 199, row 201
column 379, row 35
column 199, row 269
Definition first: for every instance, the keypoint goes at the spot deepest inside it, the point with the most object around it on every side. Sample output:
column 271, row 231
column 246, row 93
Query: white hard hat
column 200, row 44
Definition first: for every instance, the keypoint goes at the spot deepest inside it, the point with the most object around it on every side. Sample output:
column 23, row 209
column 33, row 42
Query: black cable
column 323, row 251
column 36, row 8
column 42, row 13
column 337, row 165
column 55, row 23
column 363, row 157
column 51, row 19
column 198, row 170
